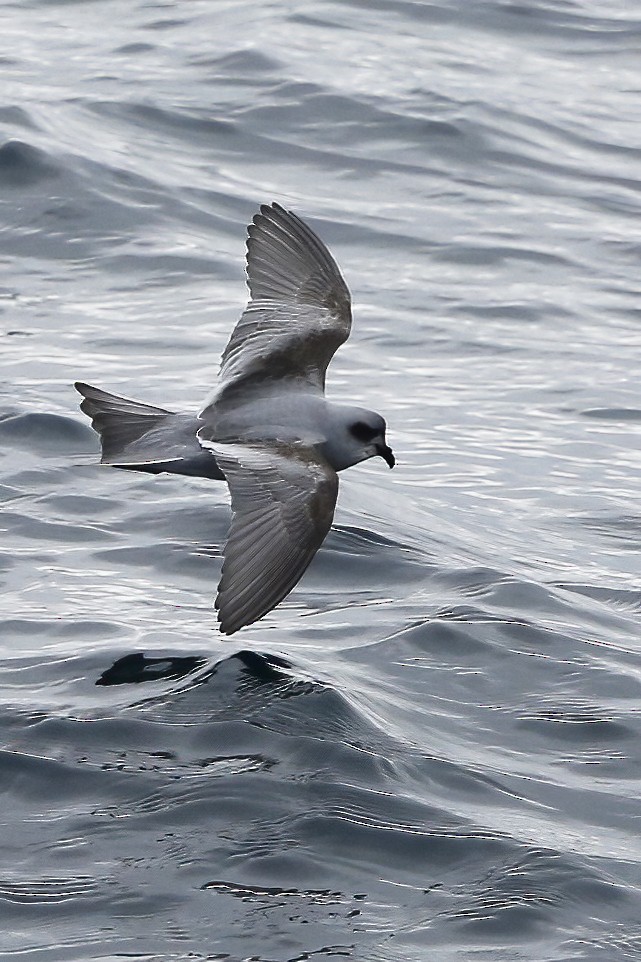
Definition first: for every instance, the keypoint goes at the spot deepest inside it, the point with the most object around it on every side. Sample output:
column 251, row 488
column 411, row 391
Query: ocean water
column 431, row 750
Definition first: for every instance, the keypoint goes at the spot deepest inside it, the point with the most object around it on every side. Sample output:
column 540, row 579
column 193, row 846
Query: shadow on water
column 137, row 668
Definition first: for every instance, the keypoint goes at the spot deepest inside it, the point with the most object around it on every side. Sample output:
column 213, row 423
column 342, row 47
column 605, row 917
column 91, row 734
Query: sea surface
column 431, row 750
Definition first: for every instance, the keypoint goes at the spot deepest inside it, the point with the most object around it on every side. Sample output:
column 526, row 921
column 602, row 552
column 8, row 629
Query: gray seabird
column 267, row 428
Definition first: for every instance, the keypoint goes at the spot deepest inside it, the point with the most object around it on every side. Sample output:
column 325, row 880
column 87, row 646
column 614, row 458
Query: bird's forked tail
column 119, row 421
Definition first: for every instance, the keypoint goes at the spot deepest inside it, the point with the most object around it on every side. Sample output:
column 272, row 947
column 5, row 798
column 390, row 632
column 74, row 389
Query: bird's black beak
column 387, row 454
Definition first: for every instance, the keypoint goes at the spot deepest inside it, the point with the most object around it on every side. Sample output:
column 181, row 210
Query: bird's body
column 267, row 429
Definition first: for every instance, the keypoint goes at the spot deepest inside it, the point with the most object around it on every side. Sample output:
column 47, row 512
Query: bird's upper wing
column 298, row 315
column 283, row 498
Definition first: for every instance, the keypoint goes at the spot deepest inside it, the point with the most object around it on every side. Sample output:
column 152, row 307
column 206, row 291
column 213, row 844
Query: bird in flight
column 267, row 429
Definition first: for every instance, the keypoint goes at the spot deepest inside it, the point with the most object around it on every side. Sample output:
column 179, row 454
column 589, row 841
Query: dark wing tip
column 273, row 213
column 266, row 209
column 225, row 626
column 226, row 629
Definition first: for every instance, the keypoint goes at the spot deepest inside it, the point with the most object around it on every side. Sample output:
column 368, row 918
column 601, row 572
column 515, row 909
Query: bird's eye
column 363, row 432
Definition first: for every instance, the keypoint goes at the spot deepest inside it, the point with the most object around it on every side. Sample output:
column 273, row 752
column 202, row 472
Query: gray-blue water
column 431, row 750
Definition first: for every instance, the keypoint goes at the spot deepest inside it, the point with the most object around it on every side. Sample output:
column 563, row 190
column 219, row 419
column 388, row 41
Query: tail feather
column 118, row 420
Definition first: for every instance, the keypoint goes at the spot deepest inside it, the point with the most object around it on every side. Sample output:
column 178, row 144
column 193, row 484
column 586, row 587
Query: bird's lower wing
column 283, row 498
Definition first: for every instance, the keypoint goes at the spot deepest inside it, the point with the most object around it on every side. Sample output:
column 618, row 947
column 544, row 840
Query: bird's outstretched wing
column 283, row 498
column 298, row 315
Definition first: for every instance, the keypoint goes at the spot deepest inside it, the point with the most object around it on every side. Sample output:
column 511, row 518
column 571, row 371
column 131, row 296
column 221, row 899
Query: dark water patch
column 15, row 116
column 80, row 506
column 129, row 49
column 430, row 12
column 45, row 432
column 144, row 343
column 175, row 122
column 613, row 414
column 490, row 255
column 523, row 313
column 240, row 66
column 22, row 165
column 167, row 23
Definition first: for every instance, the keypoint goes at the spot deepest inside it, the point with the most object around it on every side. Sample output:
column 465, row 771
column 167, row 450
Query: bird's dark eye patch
column 363, row 432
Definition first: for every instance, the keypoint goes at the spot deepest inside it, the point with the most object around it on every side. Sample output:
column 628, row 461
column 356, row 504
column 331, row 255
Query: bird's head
column 359, row 435
column 368, row 434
